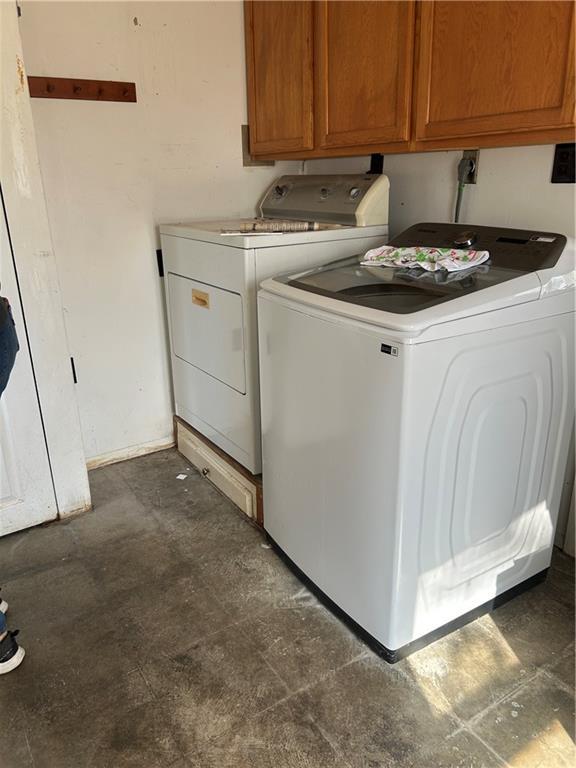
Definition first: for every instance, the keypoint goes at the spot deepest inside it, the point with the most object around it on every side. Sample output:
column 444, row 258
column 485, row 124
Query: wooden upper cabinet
column 279, row 63
column 363, row 72
column 333, row 77
column 503, row 67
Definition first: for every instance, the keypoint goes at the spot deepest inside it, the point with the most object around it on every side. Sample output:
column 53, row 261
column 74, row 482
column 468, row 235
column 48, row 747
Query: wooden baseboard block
column 231, row 478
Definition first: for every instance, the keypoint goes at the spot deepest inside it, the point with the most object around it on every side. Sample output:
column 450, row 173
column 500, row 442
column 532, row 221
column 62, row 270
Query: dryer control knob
column 465, row 239
column 355, row 193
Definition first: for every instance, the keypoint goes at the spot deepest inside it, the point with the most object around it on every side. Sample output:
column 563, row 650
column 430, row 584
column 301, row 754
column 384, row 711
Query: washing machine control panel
column 517, row 249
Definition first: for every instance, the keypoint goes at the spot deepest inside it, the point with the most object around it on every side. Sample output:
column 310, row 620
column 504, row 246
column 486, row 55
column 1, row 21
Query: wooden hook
column 77, row 88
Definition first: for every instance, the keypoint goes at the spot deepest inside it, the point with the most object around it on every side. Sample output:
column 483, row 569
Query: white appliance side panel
column 331, row 405
column 208, row 329
column 489, row 427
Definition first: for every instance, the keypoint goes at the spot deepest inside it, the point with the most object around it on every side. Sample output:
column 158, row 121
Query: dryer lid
column 513, row 254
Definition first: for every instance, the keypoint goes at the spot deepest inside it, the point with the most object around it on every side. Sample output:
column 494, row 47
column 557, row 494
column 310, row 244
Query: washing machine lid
column 400, row 290
column 524, row 266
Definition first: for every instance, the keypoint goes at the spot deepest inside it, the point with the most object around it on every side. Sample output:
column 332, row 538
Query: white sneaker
column 11, row 654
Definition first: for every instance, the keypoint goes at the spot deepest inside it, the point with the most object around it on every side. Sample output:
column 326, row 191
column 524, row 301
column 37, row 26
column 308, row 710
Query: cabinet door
column 494, row 67
column 364, row 53
column 280, row 75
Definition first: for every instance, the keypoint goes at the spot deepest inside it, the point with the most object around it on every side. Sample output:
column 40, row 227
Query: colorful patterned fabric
column 430, row 259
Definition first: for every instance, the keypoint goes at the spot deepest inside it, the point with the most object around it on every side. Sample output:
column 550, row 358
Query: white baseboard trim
column 130, row 453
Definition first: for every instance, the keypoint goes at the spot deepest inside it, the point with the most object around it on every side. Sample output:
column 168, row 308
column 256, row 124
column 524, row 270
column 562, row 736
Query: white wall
column 112, row 172
column 513, row 188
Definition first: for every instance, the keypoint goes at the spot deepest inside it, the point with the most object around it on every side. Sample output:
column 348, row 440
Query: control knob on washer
column 465, row 239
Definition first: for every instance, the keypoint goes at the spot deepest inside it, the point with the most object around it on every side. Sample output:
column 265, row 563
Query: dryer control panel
column 356, row 200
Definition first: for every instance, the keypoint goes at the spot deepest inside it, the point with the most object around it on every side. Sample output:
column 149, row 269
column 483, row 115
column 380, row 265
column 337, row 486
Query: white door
column 26, row 489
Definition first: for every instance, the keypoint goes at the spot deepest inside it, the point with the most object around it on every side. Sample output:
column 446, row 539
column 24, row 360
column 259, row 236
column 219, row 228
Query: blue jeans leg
column 2, row 623
column 8, row 349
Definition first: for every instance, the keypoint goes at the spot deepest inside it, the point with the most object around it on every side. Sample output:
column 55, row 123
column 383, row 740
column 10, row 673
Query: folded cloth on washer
column 430, row 259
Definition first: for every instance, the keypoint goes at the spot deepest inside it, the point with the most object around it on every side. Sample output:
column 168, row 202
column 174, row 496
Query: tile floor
column 161, row 631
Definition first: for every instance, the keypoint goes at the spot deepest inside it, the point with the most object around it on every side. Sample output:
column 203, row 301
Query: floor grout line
column 463, row 725
column 561, row 684
column 275, row 672
column 305, row 688
column 471, row 721
column 486, row 745
column 330, row 742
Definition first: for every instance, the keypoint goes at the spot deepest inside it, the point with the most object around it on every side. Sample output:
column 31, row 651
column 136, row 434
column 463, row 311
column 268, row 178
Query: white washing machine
column 416, row 429
column 213, row 269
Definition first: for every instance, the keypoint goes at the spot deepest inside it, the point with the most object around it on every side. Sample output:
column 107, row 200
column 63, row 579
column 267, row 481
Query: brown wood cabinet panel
column 279, row 62
column 494, row 68
column 363, row 67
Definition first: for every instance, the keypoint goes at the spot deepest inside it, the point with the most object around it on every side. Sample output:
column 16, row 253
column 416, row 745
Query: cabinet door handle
column 201, row 299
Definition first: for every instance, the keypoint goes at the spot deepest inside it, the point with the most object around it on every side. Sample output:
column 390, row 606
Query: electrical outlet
column 564, row 164
column 471, row 154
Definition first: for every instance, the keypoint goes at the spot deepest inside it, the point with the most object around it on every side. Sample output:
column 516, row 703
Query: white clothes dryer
column 213, row 269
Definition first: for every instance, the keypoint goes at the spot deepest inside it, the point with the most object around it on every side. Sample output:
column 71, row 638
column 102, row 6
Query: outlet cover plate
column 564, row 164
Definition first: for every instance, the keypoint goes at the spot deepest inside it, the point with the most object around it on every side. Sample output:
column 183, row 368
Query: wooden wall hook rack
column 73, row 88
